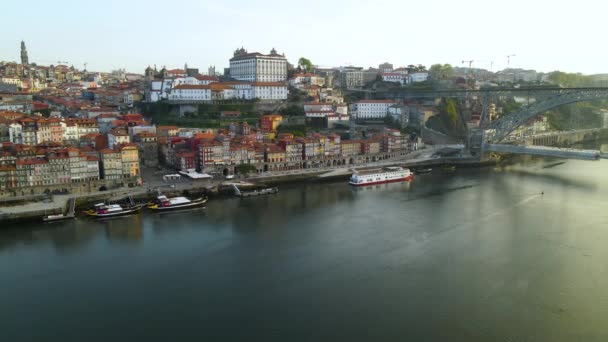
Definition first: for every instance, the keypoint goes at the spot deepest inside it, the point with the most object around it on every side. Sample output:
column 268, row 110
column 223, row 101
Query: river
column 474, row 255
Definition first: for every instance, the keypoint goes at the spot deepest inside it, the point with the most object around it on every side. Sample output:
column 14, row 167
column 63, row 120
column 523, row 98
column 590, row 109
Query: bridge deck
column 544, row 151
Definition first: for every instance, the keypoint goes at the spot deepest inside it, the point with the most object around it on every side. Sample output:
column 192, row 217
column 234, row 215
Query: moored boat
column 379, row 176
column 165, row 203
column 103, row 210
column 423, row 170
column 57, row 217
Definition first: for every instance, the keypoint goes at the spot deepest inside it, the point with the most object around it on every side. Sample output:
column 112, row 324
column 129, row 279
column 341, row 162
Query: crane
column 467, row 70
column 509, row 59
column 470, row 62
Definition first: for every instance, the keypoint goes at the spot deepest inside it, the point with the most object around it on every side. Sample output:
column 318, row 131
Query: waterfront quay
column 34, row 207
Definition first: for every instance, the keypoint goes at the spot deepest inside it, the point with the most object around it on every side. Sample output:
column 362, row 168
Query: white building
column 70, row 131
column 266, row 91
column 15, row 133
column 269, row 91
column 371, row 109
column 420, row 76
column 319, row 110
column 396, row 77
column 188, row 92
column 257, row 67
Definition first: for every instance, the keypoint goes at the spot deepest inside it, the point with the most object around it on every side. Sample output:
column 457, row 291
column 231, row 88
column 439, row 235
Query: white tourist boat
column 379, row 176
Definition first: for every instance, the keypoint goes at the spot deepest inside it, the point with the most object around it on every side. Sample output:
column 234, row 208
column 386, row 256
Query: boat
column 102, row 210
column 379, row 176
column 165, row 203
column 257, row 192
column 56, row 217
column 449, row 168
column 70, row 214
column 423, row 170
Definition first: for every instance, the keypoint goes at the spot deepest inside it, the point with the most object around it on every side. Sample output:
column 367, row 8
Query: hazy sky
column 109, row 34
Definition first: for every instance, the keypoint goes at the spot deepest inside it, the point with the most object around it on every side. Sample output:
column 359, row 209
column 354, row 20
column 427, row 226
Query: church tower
column 24, row 59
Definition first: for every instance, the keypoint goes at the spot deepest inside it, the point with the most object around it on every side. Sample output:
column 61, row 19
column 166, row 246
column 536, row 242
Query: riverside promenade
column 153, row 182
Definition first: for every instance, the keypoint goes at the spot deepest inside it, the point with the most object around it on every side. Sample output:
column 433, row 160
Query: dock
column 69, row 214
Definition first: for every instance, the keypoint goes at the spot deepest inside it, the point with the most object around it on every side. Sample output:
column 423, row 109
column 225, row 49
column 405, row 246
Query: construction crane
column 470, row 63
column 466, row 71
column 509, row 60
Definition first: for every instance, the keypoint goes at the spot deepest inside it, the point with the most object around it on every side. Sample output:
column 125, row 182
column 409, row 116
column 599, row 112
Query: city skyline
column 137, row 34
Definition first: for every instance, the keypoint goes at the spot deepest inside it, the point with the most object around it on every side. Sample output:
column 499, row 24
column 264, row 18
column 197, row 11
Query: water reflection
column 128, row 228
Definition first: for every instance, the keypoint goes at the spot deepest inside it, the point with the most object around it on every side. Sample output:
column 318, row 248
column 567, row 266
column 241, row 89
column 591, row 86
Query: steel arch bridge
column 499, row 129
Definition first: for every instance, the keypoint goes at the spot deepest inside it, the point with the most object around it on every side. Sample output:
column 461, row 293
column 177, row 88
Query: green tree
column 305, row 64
column 416, row 68
column 441, row 71
column 246, row 168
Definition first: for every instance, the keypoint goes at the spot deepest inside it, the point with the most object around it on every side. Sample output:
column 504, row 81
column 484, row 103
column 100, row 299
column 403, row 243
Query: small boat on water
column 422, row 170
column 165, row 203
column 70, row 214
column 57, row 217
column 102, row 210
column 449, row 168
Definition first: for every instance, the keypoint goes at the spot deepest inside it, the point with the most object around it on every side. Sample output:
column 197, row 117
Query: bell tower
column 24, row 59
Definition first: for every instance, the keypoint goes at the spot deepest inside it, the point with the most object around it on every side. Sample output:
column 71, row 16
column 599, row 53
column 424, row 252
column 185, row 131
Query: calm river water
column 474, row 255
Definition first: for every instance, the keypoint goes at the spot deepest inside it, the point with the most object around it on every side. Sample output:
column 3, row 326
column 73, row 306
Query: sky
column 132, row 34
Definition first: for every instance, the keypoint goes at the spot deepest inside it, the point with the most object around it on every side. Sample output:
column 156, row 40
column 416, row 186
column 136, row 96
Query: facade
column 270, row 122
column 118, row 137
column 416, row 77
column 111, row 164
column 350, row 79
column 350, row 147
column 257, row 67
column 130, row 160
column 371, row 109
column 185, row 161
column 190, row 92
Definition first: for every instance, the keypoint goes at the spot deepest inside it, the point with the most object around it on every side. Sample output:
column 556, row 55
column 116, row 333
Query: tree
column 416, row 68
column 245, row 168
column 441, row 71
column 305, row 64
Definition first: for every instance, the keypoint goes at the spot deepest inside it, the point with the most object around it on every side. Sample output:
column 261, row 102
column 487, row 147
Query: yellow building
column 130, row 160
column 350, row 147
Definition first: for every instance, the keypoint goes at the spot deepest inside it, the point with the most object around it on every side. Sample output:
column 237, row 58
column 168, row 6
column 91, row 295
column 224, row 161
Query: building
column 385, row 67
column 418, row 76
column 185, row 161
column 257, row 67
column 190, row 92
column 25, row 61
column 211, row 153
column 371, row 109
column 130, row 160
column 118, row 136
column 351, row 78
column 111, row 164
column 269, row 123
column 32, row 172
column 350, row 147
column 148, row 148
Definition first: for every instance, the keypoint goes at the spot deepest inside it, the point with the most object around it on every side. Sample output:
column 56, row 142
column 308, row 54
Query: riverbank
column 57, row 204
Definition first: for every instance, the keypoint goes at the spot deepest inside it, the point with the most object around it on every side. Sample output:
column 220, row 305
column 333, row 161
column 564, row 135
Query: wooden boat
column 103, row 210
column 165, row 203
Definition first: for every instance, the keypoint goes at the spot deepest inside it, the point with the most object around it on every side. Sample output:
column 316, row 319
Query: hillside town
column 68, row 130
